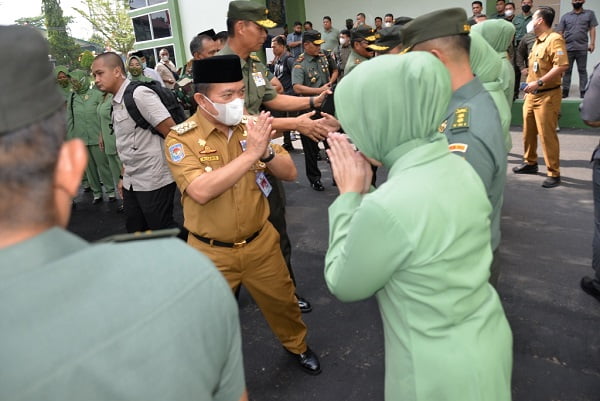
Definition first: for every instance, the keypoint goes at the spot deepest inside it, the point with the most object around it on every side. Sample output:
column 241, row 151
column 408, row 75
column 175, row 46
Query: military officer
column 219, row 163
column 472, row 124
column 388, row 42
column 310, row 77
column 360, row 38
column 246, row 24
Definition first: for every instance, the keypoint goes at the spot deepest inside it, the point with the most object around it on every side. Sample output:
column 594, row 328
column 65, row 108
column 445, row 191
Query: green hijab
column 392, row 104
column 80, row 80
column 487, row 65
column 498, row 33
column 140, row 75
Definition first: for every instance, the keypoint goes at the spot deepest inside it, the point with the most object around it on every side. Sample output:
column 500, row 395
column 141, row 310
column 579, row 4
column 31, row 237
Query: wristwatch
column 540, row 82
column 270, row 157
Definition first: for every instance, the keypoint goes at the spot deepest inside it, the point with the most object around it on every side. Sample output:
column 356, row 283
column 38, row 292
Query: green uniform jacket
column 312, row 71
column 474, row 132
column 520, row 22
column 446, row 336
column 76, row 327
column 82, row 116
column 108, row 135
column 258, row 87
column 353, row 60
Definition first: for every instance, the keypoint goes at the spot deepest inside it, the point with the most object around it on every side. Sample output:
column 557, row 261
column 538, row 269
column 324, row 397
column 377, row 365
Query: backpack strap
column 132, row 108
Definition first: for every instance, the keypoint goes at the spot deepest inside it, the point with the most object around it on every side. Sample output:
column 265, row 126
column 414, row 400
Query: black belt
column 546, row 90
column 213, row 242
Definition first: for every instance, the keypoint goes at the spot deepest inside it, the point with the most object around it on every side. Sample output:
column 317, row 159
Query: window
column 152, row 26
column 134, row 4
column 152, row 55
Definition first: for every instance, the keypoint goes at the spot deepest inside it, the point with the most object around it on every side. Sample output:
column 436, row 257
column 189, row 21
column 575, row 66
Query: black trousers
column 150, row 210
column 311, row 149
column 277, row 218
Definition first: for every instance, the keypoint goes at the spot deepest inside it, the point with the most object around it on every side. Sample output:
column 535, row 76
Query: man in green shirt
column 361, row 38
column 330, row 35
column 74, row 326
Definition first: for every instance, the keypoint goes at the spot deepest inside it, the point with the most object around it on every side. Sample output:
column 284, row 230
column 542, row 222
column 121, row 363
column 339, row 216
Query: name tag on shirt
column 263, row 183
column 259, row 80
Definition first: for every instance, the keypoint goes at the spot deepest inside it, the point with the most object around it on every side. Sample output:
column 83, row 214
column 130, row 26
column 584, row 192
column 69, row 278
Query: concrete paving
column 546, row 249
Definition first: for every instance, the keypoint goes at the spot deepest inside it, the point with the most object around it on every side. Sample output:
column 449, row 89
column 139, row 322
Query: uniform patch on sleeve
column 176, row 152
column 560, row 53
column 458, row 147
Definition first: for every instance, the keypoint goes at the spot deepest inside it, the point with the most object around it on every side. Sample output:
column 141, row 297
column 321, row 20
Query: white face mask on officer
column 508, row 13
column 230, row 113
column 342, row 41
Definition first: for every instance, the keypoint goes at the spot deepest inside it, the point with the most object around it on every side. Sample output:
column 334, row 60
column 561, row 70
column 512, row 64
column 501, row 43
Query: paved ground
column 546, row 249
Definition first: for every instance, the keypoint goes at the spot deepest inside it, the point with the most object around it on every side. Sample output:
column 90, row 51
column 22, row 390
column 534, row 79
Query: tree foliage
column 62, row 47
column 86, row 59
column 110, row 21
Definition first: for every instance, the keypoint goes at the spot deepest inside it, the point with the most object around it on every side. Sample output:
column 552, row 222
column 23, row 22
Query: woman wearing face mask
column 135, row 70
column 83, row 123
column 62, row 78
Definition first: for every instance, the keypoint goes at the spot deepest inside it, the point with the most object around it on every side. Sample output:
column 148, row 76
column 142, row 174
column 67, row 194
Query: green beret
column 250, row 11
column 364, row 32
column 437, row 24
column 389, row 38
column 29, row 90
column 312, row 36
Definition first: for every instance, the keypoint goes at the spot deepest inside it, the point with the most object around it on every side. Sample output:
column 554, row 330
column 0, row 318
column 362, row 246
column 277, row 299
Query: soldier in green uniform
column 311, row 77
column 108, row 141
column 472, row 124
column 62, row 78
column 83, row 123
column 247, row 22
column 388, row 42
column 361, row 38
column 74, row 326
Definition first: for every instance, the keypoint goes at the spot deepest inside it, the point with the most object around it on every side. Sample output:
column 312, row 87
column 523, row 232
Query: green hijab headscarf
column 61, row 68
column 487, row 66
column 139, row 74
column 80, row 80
column 499, row 34
column 392, row 104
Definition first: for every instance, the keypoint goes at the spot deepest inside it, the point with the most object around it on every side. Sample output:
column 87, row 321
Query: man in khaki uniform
column 547, row 62
column 219, row 163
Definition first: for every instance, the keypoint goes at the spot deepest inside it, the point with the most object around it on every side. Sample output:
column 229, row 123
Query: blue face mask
column 144, row 65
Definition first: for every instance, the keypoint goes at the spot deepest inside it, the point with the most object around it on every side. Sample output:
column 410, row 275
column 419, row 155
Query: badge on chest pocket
column 259, row 80
column 536, row 66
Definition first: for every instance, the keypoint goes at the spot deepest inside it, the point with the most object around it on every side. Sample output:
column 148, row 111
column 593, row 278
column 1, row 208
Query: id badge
column 263, row 183
column 536, row 66
column 259, row 80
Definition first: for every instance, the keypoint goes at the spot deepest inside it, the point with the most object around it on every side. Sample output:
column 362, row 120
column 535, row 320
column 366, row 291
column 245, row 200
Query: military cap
column 389, row 38
column 436, row 24
column 209, row 32
column 217, row 69
column 363, row 32
column 28, row 95
column 250, row 11
column 312, row 36
column 402, row 21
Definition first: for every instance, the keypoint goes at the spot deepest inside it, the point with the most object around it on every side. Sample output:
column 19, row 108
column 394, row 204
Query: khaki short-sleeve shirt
column 548, row 50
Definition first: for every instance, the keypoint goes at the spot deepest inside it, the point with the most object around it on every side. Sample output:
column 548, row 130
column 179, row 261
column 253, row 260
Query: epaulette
column 246, row 118
column 140, row 235
column 300, row 58
column 184, row 127
column 461, row 118
column 255, row 58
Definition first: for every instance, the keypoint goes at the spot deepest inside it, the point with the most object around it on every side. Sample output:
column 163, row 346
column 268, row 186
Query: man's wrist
column 311, row 102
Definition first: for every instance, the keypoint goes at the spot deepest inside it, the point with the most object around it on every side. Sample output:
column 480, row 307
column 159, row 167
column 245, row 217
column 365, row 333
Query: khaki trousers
column 260, row 267
column 540, row 117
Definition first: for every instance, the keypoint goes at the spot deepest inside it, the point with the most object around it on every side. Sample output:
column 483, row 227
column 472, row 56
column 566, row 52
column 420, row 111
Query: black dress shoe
column 87, row 189
column 525, row 168
column 317, row 186
column 96, row 201
column 309, row 361
column 591, row 286
column 303, row 304
column 112, row 199
column 551, row 182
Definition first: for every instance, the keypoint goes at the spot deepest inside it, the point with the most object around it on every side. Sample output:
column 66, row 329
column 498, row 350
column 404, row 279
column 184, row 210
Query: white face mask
column 508, row 13
column 228, row 113
column 530, row 27
column 387, row 24
column 165, row 58
column 342, row 41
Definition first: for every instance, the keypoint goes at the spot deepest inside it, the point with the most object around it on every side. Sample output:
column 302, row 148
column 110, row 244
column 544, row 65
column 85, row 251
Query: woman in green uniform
column 83, row 123
column 136, row 70
column 421, row 241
